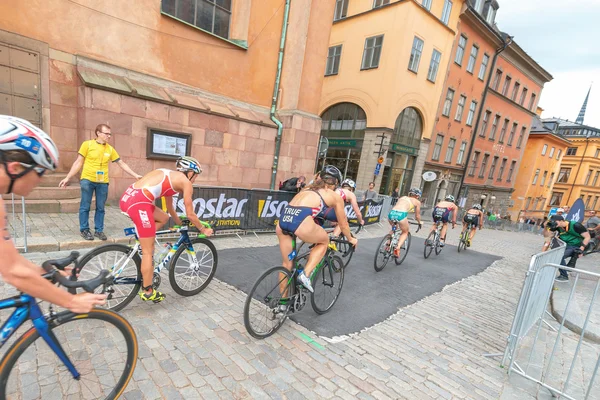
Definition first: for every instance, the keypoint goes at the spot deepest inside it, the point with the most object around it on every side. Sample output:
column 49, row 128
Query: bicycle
column 389, row 243
column 88, row 346
column 433, row 241
column 283, row 293
column 189, row 272
column 464, row 238
column 345, row 249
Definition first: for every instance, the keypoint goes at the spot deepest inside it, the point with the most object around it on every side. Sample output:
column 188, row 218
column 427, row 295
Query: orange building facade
column 155, row 69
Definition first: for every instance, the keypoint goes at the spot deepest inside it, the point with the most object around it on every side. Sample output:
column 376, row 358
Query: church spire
column 581, row 115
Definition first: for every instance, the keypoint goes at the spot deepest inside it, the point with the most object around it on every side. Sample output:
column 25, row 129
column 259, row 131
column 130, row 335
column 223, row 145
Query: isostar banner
column 265, row 208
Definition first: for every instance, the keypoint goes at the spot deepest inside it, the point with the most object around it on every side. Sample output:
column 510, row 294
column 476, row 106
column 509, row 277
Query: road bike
column 66, row 355
column 433, row 241
column 278, row 291
column 464, row 239
column 385, row 251
column 191, row 262
column 345, row 249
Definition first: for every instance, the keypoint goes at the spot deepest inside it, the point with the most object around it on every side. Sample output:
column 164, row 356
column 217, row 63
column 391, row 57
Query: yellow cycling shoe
column 155, row 296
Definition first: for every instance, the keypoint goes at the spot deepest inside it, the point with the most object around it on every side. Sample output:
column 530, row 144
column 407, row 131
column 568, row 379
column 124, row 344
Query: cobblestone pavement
column 198, row 348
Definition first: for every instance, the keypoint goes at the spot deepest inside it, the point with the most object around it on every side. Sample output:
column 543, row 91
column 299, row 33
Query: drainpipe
column 286, row 15
column 480, row 112
column 587, row 141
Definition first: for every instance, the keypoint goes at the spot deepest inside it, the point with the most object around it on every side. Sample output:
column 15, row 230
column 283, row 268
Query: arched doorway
column 344, row 125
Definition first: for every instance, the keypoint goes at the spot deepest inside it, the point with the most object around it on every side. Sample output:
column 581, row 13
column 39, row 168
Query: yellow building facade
column 385, row 72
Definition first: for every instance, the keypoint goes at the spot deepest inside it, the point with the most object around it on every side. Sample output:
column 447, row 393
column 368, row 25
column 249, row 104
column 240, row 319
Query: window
column 527, row 203
column 379, row 3
column 563, row 175
column 502, row 166
column 434, row 65
column 532, row 101
column 408, row 128
column 588, row 177
column 472, row 59
column 346, row 120
column 595, row 178
column 544, row 149
column 460, row 51
column 341, row 9
column 544, row 178
column 515, row 91
column 415, row 55
column 595, row 202
column 511, row 136
column 493, row 167
column 450, row 150
column 471, row 114
column 523, row 96
column 597, row 153
column 446, row 12
column 551, row 180
column 426, row 4
column 497, row 79
column 478, row 5
column 536, row 176
column 460, row 108
column 372, row 52
column 494, row 127
column 506, row 86
column 572, row 151
column 461, row 152
column 521, row 136
column 587, row 202
column 503, row 131
column 439, row 141
column 483, row 67
column 484, row 123
column 551, row 152
column 511, row 170
column 448, row 103
column 556, row 199
column 558, row 154
column 213, row 16
column 333, row 60
column 473, row 163
column 483, row 165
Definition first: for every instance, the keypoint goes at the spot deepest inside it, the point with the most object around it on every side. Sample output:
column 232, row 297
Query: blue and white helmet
column 18, row 134
column 416, row 192
column 349, row 182
column 450, row 198
column 185, row 164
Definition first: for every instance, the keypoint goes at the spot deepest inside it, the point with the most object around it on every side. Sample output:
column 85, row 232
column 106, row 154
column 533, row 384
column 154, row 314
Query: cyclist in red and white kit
column 138, row 202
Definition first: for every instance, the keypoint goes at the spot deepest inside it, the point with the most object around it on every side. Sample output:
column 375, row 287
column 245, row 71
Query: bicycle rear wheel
column 113, row 257
column 429, row 244
column 328, row 285
column 438, row 248
column 383, row 253
column 461, row 242
column 101, row 345
column 269, row 302
column 404, row 250
column 193, row 267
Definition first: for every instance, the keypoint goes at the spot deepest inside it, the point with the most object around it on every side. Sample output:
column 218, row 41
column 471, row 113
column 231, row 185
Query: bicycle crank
column 156, row 279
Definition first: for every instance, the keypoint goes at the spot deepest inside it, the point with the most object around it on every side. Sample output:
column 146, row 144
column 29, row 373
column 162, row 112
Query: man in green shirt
column 576, row 236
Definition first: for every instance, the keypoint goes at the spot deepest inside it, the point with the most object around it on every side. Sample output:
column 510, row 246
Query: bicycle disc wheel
column 403, row 250
column 192, row 269
column 429, row 243
column 328, row 285
column 101, row 345
column 269, row 302
column 112, row 257
column 383, row 253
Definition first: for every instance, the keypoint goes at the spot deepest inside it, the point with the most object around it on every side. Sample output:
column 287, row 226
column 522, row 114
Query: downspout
column 587, row 141
column 286, row 15
column 480, row 112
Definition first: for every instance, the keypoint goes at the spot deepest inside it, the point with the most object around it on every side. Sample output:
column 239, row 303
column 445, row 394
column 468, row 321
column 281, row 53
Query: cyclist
column 26, row 153
column 138, row 202
column 405, row 205
column 474, row 217
column 441, row 213
column 300, row 215
column 346, row 192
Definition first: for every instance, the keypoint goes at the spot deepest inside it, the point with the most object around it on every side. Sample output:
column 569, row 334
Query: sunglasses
column 38, row 170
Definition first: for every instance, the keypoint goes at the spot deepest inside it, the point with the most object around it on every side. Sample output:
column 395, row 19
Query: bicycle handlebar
column 52, row 267
column 416, row 223
column 186, row 223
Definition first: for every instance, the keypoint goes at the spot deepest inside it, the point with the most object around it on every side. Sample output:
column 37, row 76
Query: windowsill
column 332, row 74
column 460, row 65
column 429, row 80
column 368, row 68
column 414, row 72
column 458, row 120
column 481, row 79
column 242, row 43
column 340, row 19
column 470, row 125
column 469, row 72
column 446, row 116
column 492, row 139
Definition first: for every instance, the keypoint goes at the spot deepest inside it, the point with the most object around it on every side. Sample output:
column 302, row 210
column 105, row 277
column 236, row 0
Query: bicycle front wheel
column 193, row 267
column 101, row 345
column 429, row 244
column 383, row 253
column 404, row 250
column 346, row 251
column 269, row 302
column 328, row 285
column 114, row 258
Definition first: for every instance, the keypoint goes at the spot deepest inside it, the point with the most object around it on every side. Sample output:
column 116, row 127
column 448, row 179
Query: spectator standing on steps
column 94, row 155
column 371, row 193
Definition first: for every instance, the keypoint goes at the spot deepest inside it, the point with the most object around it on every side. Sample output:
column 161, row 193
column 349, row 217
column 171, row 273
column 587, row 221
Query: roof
column 538, row 129
column 559, row 124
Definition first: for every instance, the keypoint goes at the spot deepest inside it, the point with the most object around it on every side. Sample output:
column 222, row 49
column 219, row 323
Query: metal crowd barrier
column 16, row 233
column 530, row 352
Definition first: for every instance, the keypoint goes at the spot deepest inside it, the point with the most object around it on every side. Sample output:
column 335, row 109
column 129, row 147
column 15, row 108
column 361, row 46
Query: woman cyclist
column 474, row 217
column 346, row 192
column 399, row 214
column 138, row 202
column 299, row 216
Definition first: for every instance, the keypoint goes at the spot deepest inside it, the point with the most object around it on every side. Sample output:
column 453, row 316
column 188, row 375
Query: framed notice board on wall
column 167, row 145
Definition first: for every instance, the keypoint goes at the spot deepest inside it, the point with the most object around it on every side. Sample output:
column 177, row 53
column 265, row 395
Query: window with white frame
column 506, row 86
column 460, row 108
column 511, row 170
column 515, row 91
column 446, row 11
column 503, row 131
column 497, row 79
column 556, row 199
column 572, row 151
column 595, row 178
column 543, row 181
column 551, row 152
column 471, row 113
column 511, row 135
column 473, row 163
column 532, row 101
column 523, row 96
column 213, row 16
column 544, row 149
column 450, row 150
column 558, row 154
column 536, row 176
column 521, row 137
column 415, row 54
column 551, row 179
column 483, row 68
column 484, row 123
column 439, row 141
column 448, row 103
column 461, row 153
column 563, row 175
column 434, row 65
column 501, row 171
column 460, row 50
column 494, row 127
column 588, row 177
column 379, row 3
column 372, row 52
column 333, row 60
column 493, row 167
column 426, row 4
column 341, row 10
column 484, row 161
column 472, row 59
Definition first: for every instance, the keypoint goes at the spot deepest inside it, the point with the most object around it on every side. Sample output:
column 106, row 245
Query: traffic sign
column 377, row 169
column 380, row 160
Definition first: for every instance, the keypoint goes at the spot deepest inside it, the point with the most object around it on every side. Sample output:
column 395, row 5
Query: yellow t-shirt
column 97, row 156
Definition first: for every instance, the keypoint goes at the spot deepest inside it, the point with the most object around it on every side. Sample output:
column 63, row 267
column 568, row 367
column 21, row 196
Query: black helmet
column 333, row 172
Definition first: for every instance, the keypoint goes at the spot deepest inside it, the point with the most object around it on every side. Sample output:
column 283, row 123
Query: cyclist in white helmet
column 26, row 153
column 399, row 214
column 441, row 213
column 474, row 217
column 138, row 202
column 346, row 192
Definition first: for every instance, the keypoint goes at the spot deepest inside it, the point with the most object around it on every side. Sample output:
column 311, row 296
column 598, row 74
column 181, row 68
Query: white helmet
column 349, row 182
column 185, row 164
column 18, row 134
column 477, row 206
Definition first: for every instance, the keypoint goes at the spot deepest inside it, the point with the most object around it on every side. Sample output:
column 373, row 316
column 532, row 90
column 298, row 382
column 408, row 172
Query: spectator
column 531, row 223
column 576, row 236
column 94, row 156
column 371, row 193
column 395, row 196
column 593, row 226
column 521, row 223
column 541, row 225
column 293, row 184
column 492, row 219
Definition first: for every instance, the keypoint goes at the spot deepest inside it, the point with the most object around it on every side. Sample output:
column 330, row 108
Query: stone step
column 48, row 206
column 55, row 193
column 53, row 179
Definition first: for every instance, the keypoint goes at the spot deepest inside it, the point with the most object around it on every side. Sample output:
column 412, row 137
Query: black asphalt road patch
column 367, row 297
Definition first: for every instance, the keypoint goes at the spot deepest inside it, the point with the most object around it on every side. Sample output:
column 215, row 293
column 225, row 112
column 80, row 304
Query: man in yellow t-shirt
column 95, row 155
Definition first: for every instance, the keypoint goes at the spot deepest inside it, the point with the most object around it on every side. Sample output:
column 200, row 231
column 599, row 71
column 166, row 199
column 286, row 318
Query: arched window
column 408, row 128
column 344, row 120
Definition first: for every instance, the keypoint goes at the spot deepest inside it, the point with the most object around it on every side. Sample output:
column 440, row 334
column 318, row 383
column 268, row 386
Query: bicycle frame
column 27, row 308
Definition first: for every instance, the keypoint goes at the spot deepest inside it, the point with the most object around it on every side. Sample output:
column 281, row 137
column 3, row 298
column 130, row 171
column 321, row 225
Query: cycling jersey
column 411, row 207
column 342, row 193
column 441, row 214
column 293, row 216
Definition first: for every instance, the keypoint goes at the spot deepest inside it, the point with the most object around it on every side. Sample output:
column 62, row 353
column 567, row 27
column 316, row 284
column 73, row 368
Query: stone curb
column 48, row 244
column 570, row 325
